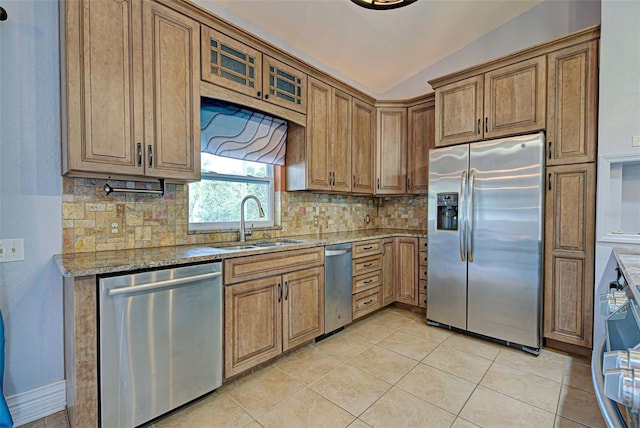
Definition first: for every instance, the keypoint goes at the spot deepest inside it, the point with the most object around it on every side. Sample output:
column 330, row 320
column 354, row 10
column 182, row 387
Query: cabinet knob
column 266, row 97
column 259, row 94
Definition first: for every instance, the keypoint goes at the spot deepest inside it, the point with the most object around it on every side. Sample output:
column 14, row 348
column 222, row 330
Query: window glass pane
column 286, row 75
column 229, row 166
column 231, row 64
column 234, row 78
column 289, row 87
column 212, row 201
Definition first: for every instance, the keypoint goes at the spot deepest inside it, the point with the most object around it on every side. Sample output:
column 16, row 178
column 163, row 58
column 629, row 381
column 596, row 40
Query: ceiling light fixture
column 383, row 4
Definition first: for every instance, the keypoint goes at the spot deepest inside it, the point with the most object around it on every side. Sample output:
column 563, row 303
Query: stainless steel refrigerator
column 485, row 223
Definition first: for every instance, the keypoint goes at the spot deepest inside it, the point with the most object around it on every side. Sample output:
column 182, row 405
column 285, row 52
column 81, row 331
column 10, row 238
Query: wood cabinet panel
column 251, row 267
column 366, row 281
column 319, row 135
column 253, row 329
column 391, row 151
column 363, row 147
column 572, row 104
column 366, row 302
column 407, row 270
column 131, row 91
column 459, row 109
column 172, row 93
column 302, row 306
column 514, row 98
column 366, row 248
column 388, row 271
column 420, row 138
column 340, row 150
column 569, row 254
column 366, row 264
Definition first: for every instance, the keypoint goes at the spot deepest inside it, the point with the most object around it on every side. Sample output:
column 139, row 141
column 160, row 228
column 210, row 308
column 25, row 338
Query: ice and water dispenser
column 447, row 211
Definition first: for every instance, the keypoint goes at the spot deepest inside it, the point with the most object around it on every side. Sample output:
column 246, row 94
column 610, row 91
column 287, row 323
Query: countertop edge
column 114, row 261
column 628, row 259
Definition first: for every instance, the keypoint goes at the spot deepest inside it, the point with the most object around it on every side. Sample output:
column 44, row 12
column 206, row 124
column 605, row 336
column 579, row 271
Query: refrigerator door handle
column 469, row 215
column 462, row 232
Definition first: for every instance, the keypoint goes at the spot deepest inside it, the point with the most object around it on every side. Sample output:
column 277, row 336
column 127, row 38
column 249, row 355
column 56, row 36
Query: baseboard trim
column 37, row 403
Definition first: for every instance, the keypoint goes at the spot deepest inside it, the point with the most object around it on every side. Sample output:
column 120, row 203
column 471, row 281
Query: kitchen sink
column 234, row 246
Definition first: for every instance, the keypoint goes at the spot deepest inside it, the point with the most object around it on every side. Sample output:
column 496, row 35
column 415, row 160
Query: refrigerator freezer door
column 447, row 273
column 505, row 239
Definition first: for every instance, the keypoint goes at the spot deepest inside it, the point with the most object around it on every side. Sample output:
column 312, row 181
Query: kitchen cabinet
column 388, row 271
column 273, row 302
column 367, row 277
column 422, row 274
column 235, row 65
column 504, row 101
column 572, row 104
column 407, row 271
column 391, row 151
column 569, row 254
column 420, row 138
column 128, row 68
column 363, row 139
column 334, row 153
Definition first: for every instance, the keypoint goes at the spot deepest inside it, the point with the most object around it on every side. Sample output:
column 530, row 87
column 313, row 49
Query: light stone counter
column 103, row 262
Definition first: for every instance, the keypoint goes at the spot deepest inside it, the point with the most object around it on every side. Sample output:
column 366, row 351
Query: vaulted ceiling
column 376, row 51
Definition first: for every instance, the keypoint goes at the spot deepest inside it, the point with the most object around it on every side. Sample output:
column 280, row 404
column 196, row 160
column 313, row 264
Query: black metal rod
column 3, row 14
column 108, row 189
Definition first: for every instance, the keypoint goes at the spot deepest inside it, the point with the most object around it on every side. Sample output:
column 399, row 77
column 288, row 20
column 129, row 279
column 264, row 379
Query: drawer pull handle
column 368, row 281
column 279, row 292
column 368, row 302
column 370, row 247
column 286, row 287
column 368, row 265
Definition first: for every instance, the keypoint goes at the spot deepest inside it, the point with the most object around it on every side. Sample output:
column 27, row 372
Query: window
column 214, row 202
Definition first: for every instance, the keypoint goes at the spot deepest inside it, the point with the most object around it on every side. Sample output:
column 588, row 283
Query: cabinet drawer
column 422, row 300
column 366, row 265
column 422, row 243
column 423, row 286
column 367, row 301
column 367, row 248
column 422, row 258
column 422, row 273
column 263, row 265
column 367, row 281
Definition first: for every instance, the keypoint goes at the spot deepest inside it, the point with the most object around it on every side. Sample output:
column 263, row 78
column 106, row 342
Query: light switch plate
column 635, row 141
column 11, row 250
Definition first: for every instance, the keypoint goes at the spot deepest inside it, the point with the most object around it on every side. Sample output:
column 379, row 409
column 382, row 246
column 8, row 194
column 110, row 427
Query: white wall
column 30, row 194
column 619, row 111
column 546, row 21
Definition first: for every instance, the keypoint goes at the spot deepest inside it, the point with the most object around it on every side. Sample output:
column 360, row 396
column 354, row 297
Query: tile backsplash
column 153, row 221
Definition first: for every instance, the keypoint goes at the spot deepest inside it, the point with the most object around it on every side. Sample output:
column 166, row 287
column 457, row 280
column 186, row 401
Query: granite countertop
column 629, row 261
column 104, row 262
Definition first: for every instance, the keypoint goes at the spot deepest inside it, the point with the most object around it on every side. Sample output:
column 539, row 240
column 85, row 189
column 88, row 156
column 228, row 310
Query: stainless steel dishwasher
column 160, row 341
column 337, row 286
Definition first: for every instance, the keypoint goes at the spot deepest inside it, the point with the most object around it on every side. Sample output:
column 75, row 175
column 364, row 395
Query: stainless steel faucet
column 243, row 234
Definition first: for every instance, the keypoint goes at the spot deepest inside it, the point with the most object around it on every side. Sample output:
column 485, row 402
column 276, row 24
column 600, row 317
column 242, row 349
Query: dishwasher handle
column 161, row 284
column 331, row 253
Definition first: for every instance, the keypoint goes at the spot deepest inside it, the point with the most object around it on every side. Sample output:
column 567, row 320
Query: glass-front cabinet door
column 284, row 85
column 229, row 63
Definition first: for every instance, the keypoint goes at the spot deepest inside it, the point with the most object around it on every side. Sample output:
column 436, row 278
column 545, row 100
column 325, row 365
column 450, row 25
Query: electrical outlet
column 315, row 220
column 11, row 250
column 115, row 228
column 635, row 141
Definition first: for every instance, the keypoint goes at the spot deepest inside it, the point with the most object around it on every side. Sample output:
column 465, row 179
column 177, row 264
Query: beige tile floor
column 392, row 370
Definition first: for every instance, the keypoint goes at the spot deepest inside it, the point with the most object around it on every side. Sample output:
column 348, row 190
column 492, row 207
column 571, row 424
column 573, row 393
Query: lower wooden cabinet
column 267, row 316
column 422, row 274
column 569, row 254
column 388, row 271
column 407, row 270
column 366, row 268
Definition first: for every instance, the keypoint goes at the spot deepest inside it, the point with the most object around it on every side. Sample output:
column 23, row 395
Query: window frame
column 269, row 211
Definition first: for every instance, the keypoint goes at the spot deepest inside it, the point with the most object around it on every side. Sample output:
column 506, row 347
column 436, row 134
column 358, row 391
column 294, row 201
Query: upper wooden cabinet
column 572, row 104
column 334, row 153
column 420, row 138
column 391, row 151
column 130, row 90
column 363, row 137
column 506, row 101
column 230, row 63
